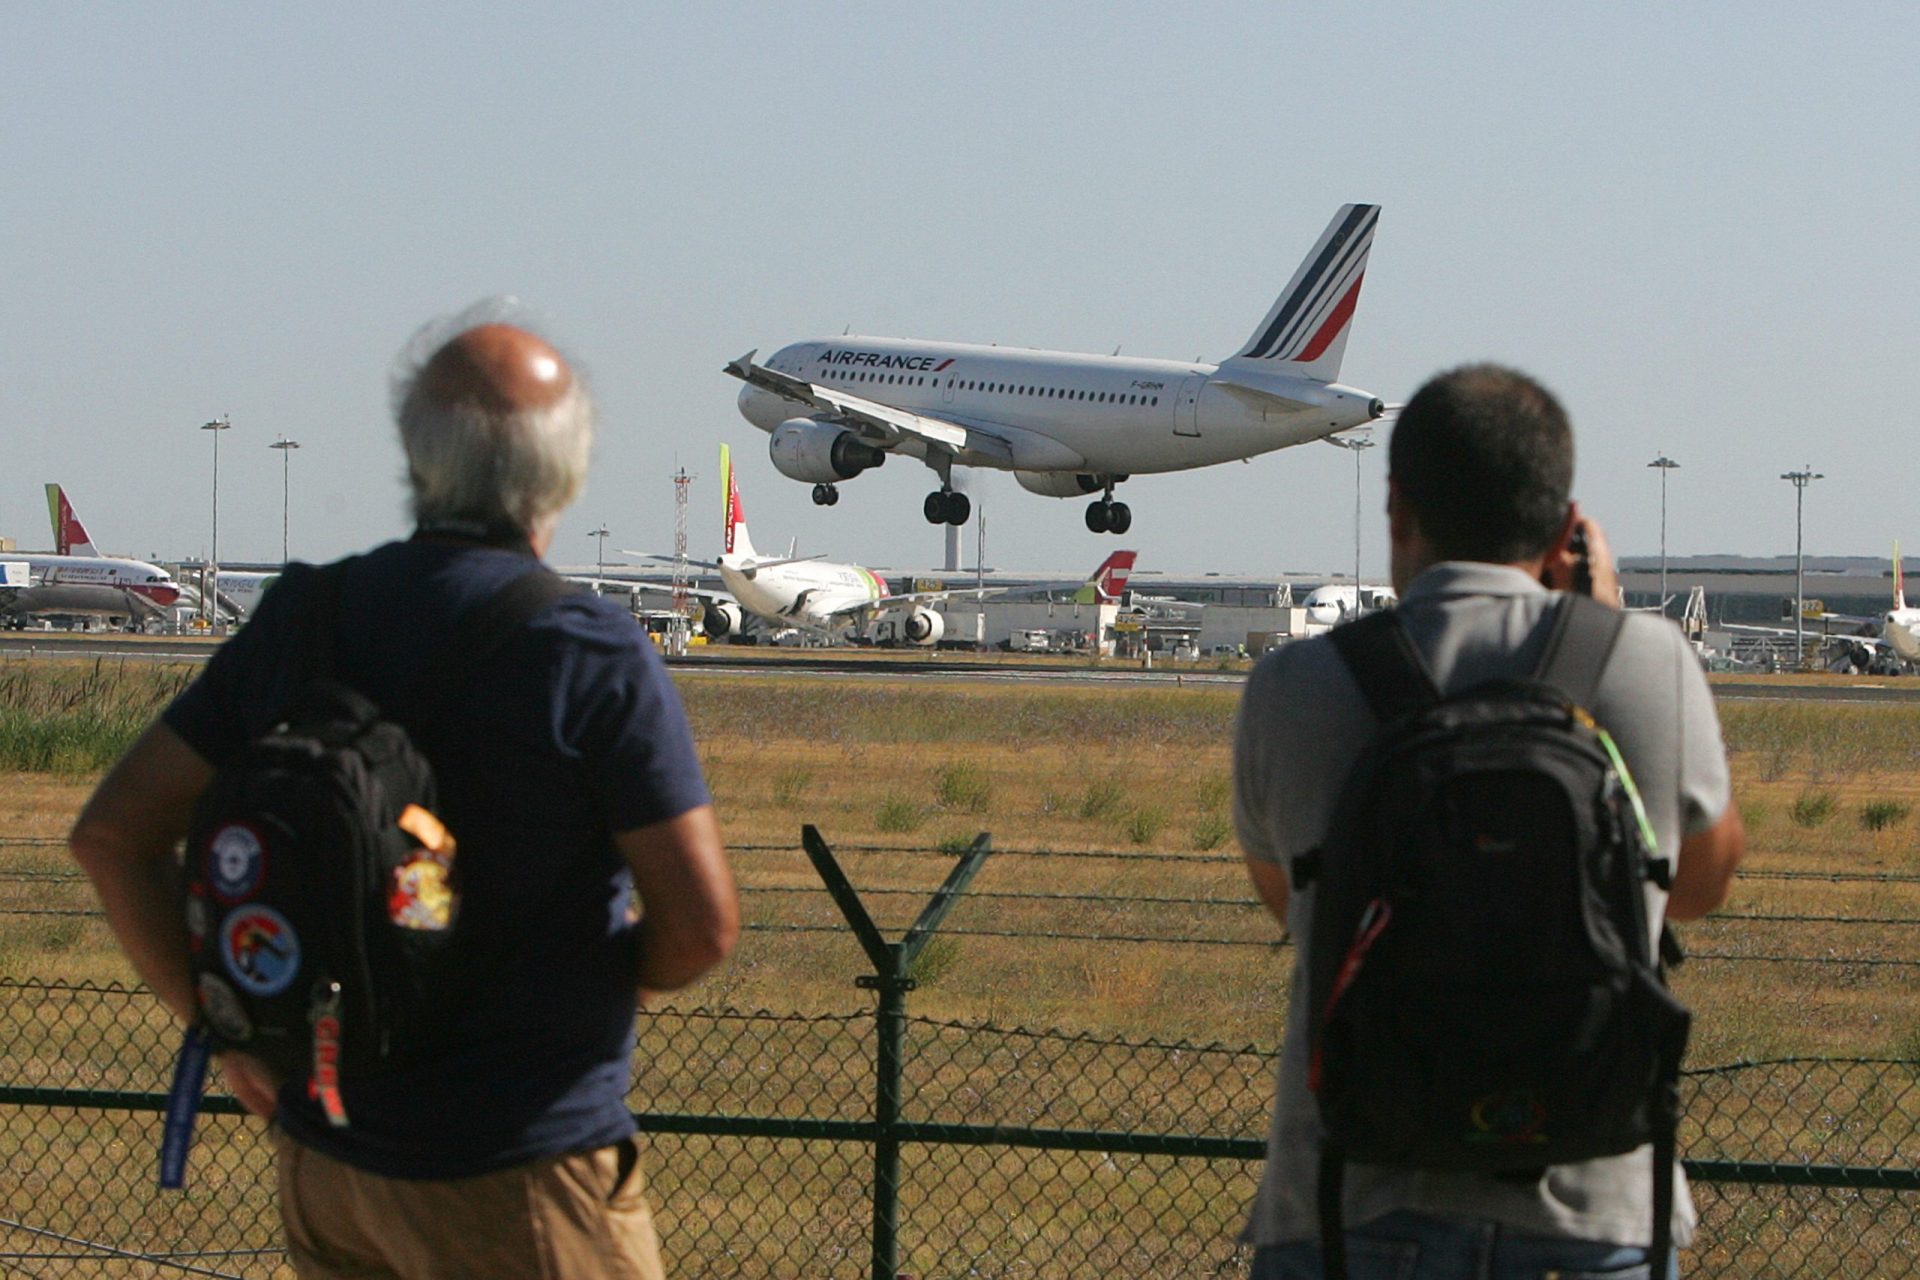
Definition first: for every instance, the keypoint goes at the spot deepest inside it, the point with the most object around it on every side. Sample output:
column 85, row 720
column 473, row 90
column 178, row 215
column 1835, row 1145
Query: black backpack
column 322, row 889
column 1484, row 997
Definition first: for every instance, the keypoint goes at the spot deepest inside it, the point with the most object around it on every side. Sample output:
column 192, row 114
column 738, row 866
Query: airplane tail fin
column 1899, row 581
column 737, row 541
column 1109, row 581
column 69, row 535
column 1306, row 332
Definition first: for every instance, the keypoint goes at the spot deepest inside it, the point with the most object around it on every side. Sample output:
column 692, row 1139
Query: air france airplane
column 1068, row 425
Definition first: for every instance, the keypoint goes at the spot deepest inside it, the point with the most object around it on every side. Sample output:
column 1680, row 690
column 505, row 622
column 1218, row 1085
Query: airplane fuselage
column 1066, row 411
column 802, row 593
column 137, row 576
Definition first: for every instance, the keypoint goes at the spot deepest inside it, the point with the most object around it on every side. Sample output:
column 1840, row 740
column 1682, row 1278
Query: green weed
column 1211, row 831
column 935, row 959
column 791, row 785
column 1813, row 808
column 963, row 786
column 1878, row 815
column 1141, row 825
column 1101, row 798
column 898, row 814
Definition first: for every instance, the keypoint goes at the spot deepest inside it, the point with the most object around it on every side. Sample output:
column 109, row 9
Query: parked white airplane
column 814, row 594
column 1068, row 425
column 74, row 580
column 1335, row 602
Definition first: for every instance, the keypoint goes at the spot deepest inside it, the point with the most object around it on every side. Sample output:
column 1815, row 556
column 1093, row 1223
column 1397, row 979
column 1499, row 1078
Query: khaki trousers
column 581, row 1216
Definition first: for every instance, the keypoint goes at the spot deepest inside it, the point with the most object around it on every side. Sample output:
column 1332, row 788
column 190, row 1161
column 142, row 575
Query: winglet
column 743, row 367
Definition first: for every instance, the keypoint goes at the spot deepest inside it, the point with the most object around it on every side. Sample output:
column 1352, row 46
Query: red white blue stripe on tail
column 1308, row 325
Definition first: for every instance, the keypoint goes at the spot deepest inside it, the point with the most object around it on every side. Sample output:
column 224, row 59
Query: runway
column 740, row 660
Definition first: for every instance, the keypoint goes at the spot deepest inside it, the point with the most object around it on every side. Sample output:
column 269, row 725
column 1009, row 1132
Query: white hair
column 467, row 463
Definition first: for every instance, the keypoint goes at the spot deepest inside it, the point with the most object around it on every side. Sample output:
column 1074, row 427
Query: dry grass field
column 1112, row 921
column 1114, row 902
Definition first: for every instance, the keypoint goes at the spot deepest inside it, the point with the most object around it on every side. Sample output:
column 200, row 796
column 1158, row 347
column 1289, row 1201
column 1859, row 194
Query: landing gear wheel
column 1119, row 518
column 825, row 495
column 1097, row 516
column 935, row 508
column 959, row 507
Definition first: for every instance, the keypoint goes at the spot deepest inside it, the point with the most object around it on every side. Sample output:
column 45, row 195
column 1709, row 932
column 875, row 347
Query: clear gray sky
column 1696, row 222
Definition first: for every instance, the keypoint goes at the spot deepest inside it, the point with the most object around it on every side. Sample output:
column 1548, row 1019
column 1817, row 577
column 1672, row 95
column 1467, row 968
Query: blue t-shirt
column 568, row 733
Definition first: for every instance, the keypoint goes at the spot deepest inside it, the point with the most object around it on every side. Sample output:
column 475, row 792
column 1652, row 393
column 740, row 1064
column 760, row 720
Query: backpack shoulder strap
column 1386, row 665
column 1584, row 633
column 482, row 629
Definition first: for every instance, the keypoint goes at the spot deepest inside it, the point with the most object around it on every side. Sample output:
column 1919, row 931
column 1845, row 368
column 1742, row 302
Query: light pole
column 600, row 561
column 284, row 445
column 1800, row 480
column 1665, row 464
column 1357, row 444
column 210, row 581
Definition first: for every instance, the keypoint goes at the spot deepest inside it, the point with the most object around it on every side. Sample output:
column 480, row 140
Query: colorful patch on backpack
column 221, row 1004
column 420, row 895
column 260, row 949
column 1512, row 1118
column 420, row 891
column 236, row 862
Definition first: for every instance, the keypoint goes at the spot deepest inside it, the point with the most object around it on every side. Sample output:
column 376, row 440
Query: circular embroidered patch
column 221, row 1004
column 260, row 950
column 236, row 862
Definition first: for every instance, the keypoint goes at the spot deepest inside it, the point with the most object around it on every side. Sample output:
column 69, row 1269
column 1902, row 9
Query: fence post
column 891, row 962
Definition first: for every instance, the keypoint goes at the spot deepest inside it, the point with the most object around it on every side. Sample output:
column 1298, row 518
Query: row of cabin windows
column 1003, row 388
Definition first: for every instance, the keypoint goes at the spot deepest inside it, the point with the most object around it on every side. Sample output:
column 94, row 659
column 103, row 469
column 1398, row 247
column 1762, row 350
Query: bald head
column 496, row 368
column 497, row 430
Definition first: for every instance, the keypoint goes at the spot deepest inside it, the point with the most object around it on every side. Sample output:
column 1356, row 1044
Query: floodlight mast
column 1665, row 464
column 1800, row 480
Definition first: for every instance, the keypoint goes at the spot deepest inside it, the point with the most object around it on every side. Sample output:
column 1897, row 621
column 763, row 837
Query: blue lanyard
column 183, row 1104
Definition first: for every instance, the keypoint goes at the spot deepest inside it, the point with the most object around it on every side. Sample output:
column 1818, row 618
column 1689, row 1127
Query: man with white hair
column 567, row 770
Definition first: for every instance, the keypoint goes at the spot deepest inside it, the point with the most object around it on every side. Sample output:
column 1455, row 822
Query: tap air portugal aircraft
column 1068, row 425
column 76, row 579
column 814, row 594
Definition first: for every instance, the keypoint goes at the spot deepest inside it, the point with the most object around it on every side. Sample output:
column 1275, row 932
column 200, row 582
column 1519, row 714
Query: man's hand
column 252, row 1082
column 1560, row 569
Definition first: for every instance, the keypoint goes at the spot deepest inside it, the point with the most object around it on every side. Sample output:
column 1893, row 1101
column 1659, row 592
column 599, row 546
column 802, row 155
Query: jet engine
column 1059, row 484
column 923, row 627
column 819, row 452
column 721, row 618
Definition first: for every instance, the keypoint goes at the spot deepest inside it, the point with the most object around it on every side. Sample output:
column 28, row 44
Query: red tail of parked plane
column 69, row 535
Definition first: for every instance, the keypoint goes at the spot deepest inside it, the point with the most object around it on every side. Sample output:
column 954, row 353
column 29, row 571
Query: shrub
column 1878, row 815
column 963, row 786
column 933, row 962
column 1143, row 824
column 1101, row 798
column 1812, row 808
column 898, row 814
column 789, row 785
column 1211, row 831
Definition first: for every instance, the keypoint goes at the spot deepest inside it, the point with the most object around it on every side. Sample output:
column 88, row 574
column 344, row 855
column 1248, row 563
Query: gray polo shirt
column 1302, row 723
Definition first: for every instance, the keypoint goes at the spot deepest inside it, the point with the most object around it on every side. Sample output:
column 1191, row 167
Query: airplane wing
column 881, row 425
column 711, row 566
column 884, row 603
column 666, row 589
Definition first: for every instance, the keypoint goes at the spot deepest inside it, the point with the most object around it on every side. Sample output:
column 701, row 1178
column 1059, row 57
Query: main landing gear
column 944, row 506
column 1108, row 516
column 825, row 495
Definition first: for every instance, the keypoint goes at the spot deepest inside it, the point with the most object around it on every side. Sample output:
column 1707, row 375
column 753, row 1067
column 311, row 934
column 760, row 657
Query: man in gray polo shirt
column 1478, row 509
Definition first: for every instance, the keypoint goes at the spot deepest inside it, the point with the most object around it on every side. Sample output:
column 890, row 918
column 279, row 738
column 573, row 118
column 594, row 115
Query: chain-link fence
column 1021, row 1152
column 876, row 1142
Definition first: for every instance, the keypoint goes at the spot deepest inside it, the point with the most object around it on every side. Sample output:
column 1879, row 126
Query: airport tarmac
column 868, row 664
